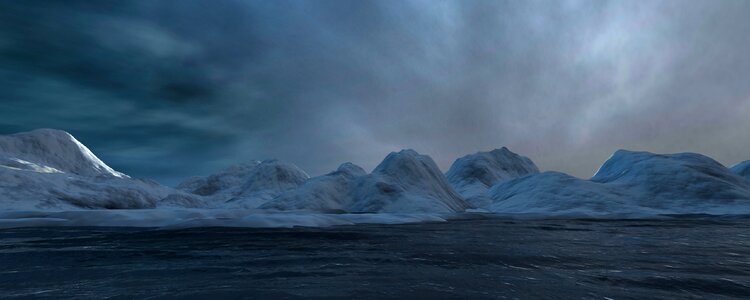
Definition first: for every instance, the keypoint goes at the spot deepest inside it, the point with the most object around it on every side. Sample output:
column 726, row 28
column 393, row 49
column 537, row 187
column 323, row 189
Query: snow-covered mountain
column 328, row 193
column 247, row 185
column 50, row 169
column 674, row 180
column 558, row 193
column 742, row 169
column 405, row 181
column 631, row 182
column 472, row 175
column 52, row 151
column 219, row 183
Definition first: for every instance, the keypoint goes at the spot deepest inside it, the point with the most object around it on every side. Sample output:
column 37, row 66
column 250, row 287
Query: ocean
column 473, row 258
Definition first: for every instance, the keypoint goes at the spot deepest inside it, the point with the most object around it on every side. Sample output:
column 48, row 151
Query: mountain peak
column 473, row 174
column 349, row 169
column 55, row 149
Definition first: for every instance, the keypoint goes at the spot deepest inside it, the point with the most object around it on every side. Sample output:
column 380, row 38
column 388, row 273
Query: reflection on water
column 477, row 258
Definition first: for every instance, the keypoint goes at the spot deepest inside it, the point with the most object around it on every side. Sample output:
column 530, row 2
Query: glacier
column 49, row 178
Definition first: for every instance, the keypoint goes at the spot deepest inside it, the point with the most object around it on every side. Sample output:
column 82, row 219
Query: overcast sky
column 169, row 89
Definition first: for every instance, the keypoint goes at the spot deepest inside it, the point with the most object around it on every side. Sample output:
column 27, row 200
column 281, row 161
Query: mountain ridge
column 50, row 169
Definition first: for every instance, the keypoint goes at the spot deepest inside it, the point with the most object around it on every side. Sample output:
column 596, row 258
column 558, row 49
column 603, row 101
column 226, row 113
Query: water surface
column 687, row 257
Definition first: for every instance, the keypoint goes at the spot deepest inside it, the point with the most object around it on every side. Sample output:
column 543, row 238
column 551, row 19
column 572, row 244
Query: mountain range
column 49, row 170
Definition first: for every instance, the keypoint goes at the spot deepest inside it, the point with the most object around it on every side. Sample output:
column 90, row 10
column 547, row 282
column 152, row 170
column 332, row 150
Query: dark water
column 479, row 258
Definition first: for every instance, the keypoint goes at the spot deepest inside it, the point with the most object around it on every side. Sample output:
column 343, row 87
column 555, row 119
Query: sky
column 172, row 89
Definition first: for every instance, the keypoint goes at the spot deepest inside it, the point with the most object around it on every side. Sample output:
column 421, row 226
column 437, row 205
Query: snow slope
column 405, row 182
column 247, row 185
column 559, row 193
column 742, row 169
column 221, row 184
column 55, row 150
column 328, row 193
column 472, row 175
column 682, row 181
column 631, row 182
column 50, row 169
column 46, row 169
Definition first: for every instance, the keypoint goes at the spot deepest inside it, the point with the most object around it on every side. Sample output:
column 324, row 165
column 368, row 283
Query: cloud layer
column 167, row 91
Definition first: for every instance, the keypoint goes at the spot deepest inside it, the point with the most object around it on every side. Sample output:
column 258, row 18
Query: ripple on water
column 487, row 258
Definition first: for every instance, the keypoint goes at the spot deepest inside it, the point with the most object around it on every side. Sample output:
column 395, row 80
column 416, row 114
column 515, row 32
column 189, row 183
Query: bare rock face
column 474, row 174
column 50, row 169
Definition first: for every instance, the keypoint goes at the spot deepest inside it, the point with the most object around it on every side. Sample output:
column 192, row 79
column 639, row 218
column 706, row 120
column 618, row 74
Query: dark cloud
column 166, row 90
